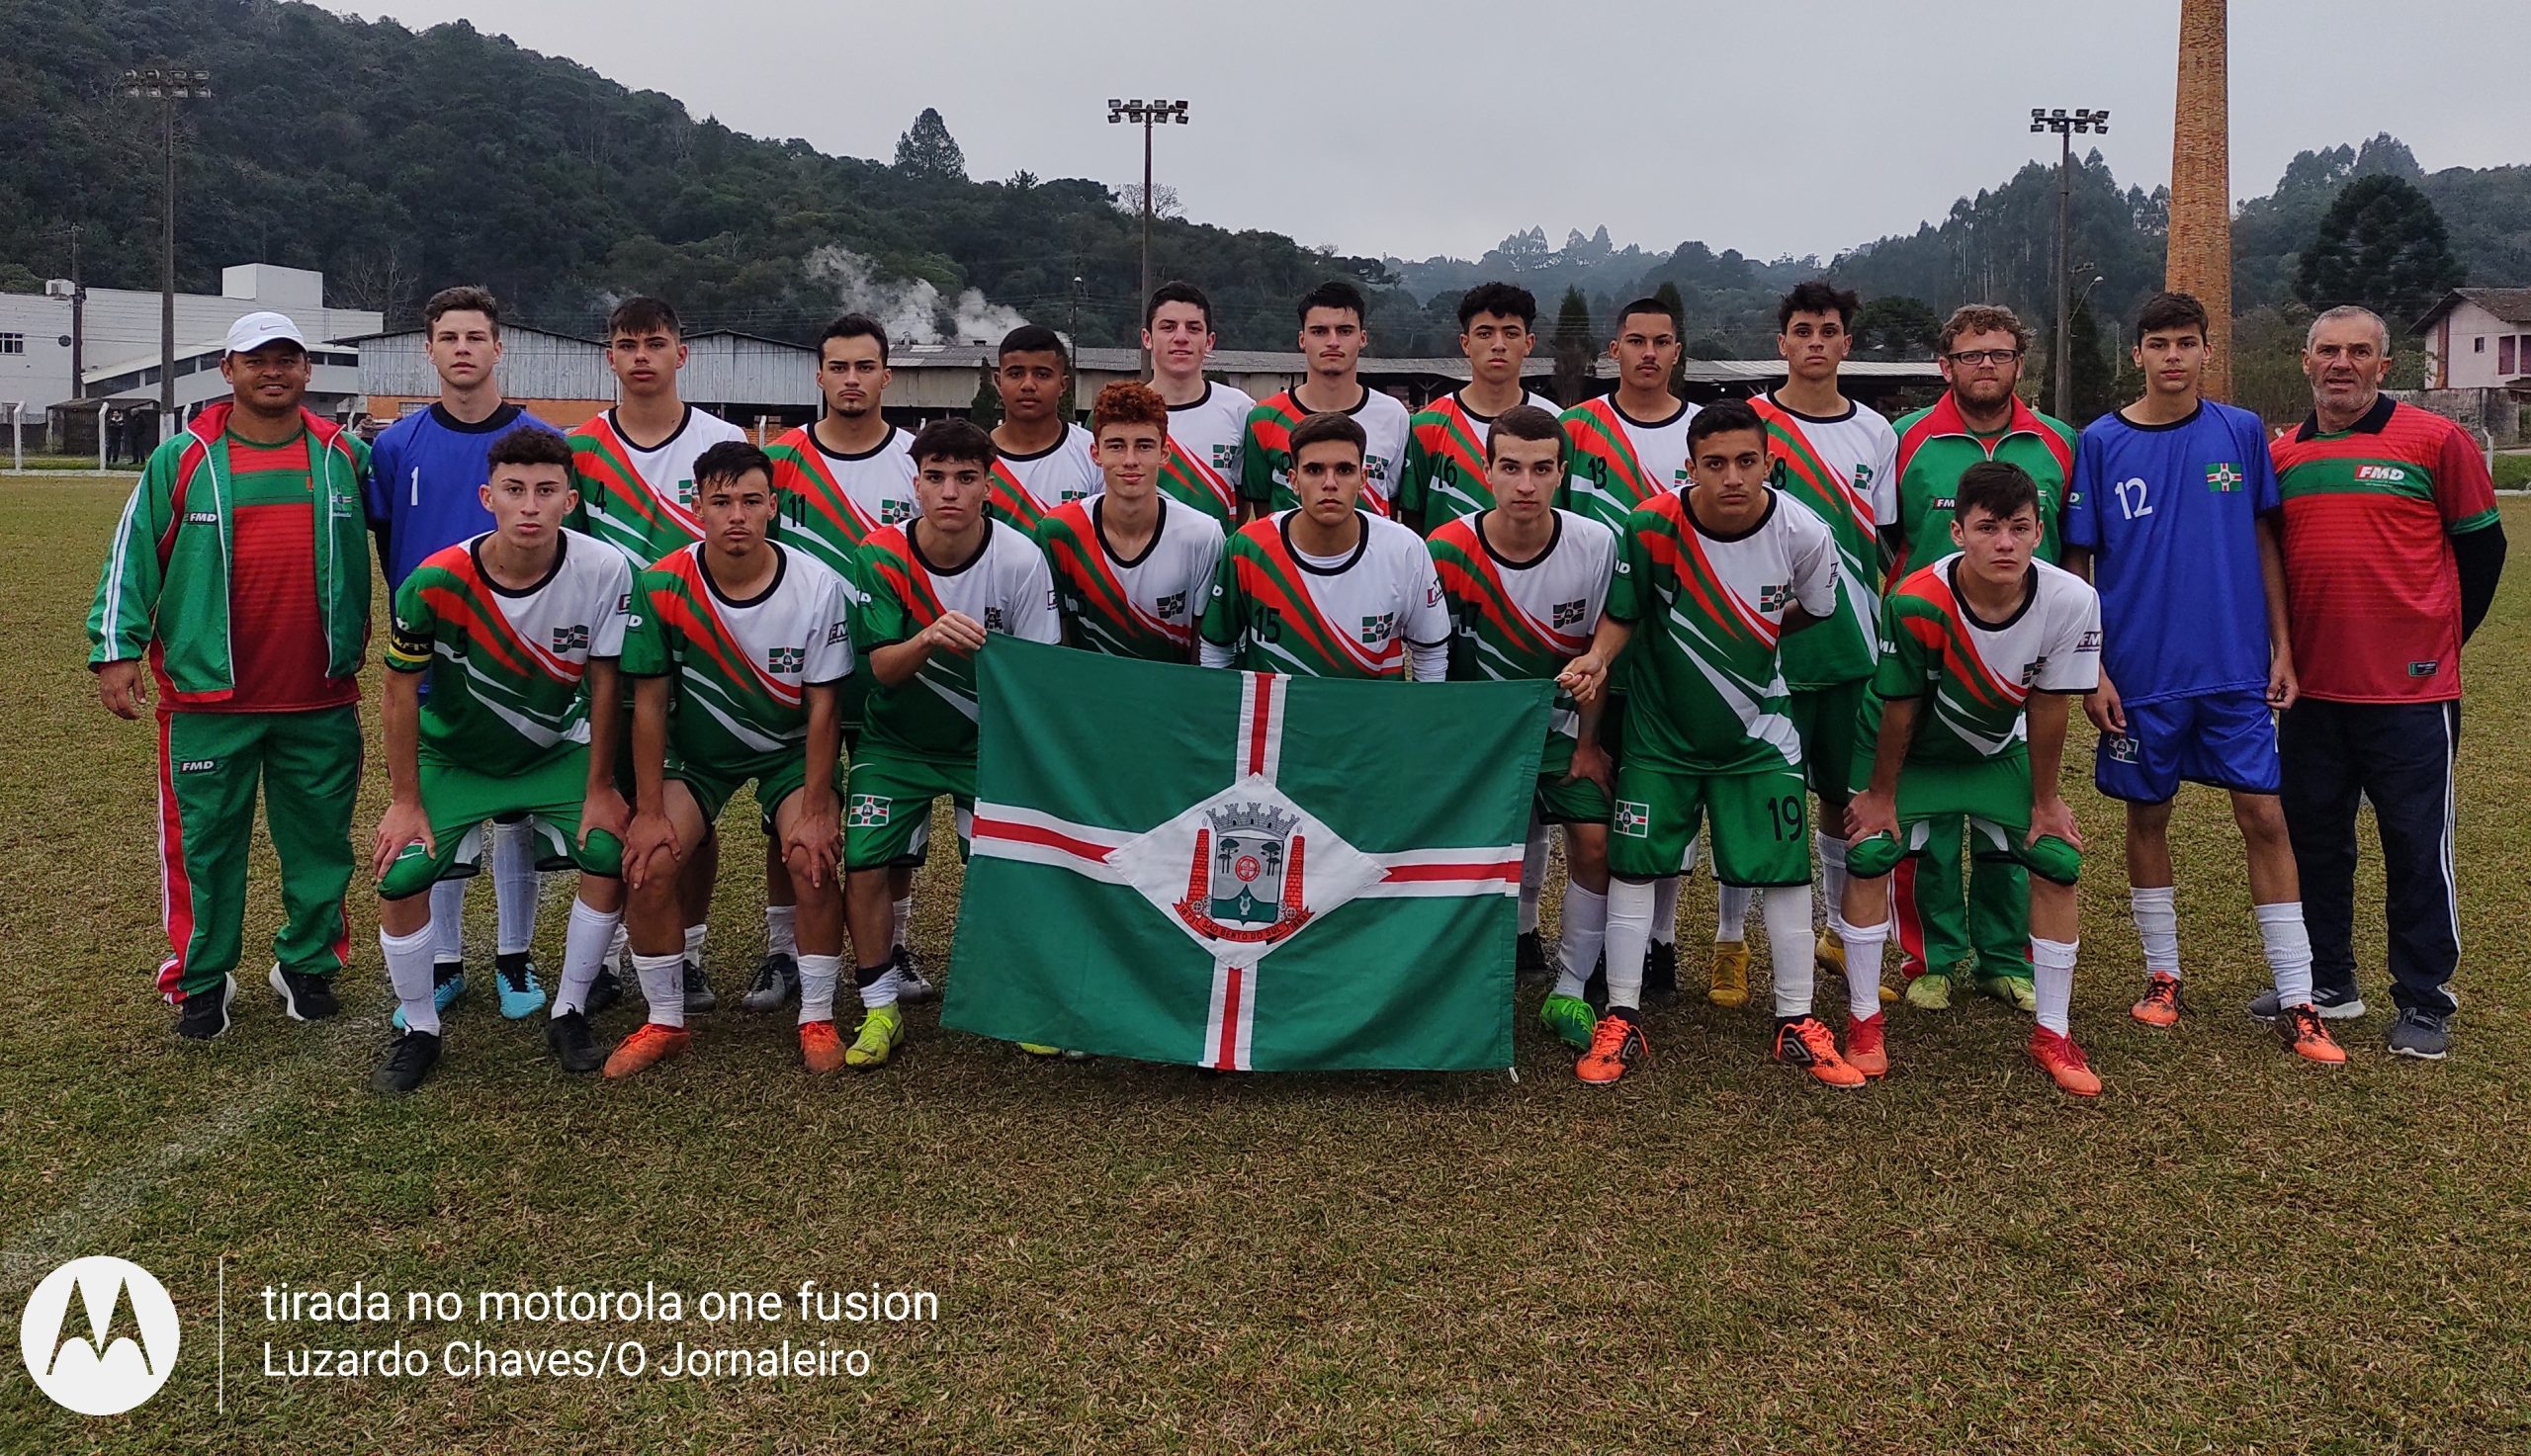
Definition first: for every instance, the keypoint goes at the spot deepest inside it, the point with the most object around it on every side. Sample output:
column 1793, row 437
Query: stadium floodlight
column 2067, row 125
column 1148, row 114
column 167, row 85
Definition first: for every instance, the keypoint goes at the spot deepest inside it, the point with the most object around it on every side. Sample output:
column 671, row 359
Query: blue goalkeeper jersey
column 427, row 471
column 2170, row 514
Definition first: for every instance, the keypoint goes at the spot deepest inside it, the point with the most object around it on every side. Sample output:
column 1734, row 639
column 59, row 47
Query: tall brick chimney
column 2200, row 260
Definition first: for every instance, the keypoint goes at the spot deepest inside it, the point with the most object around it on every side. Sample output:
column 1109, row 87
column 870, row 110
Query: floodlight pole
column 2065, row 125
column 1148, row 113
column 167, row 86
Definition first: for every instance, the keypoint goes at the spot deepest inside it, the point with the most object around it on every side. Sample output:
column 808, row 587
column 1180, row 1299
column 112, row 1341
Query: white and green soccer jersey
column 1445, row 477
column 1023, row 487
column 1003, row 586
column 830, row 503
column 1204, row 439
column 1265, row 452
column 1972, row 677
column 1145, row 607
column 1705, row 674
column 1615, row 464
column 641, row 502
column 741, row 667
column 1526, row 619
column 1844, row 469
column 505, row 667
column 1276, row 610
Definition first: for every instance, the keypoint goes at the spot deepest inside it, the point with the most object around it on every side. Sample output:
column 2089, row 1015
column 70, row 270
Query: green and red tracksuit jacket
column 164, row 592
column 1935, row 446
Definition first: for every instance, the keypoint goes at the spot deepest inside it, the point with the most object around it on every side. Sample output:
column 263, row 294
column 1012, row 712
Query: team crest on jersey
column 1245, row 882
column 2222, row 475
column 993, row 620
column 2119, row 749
column 1379, row 629
column 571, row 639
column 1774, row 597
column 1567, row 614
column 1861, row 477
column 779, row 660
column 895, row 512
column 866, row 811
column 1633, row 820
column 1225, row 456
column 1172, row 605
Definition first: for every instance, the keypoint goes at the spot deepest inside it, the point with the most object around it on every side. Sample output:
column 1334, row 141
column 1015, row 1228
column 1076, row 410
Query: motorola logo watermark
column 98, row 1335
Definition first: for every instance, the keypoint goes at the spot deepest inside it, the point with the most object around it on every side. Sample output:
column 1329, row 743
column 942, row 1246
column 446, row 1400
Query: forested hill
column 398, row 161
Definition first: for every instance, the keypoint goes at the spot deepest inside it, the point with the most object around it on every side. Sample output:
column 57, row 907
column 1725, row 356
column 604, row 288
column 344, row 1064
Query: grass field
column 2230, row 1251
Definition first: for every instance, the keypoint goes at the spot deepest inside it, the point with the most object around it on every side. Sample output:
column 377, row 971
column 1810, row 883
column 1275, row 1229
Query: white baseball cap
column 255, row 330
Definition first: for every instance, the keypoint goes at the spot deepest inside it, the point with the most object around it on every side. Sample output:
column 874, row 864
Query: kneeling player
column 1980, row 653
column 505, row 628
column 1526, row 584
column 1713, row 577
column 933, row 589
column 739, row 652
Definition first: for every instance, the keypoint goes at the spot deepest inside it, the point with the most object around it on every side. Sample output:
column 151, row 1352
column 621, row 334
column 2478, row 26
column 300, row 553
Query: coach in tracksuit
column 2393, row 551
column 239, row 571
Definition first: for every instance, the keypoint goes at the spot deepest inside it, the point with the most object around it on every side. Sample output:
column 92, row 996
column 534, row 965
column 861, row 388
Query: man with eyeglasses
column 1978, row 419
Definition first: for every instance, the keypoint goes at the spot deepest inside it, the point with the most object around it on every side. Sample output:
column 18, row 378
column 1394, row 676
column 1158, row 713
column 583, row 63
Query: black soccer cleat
column 205, row 1018
column 607, row 992
column 305, row 997
column 572, row 1044
column 1661, row 970
column 409, row 1059
column 1528, row 957
column 699, row 994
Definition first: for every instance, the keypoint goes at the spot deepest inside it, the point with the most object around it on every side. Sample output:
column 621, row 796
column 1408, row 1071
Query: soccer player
column 1332, row 340
column 1627, row 448
column 933, row 590
column 427, row 472
column 2393, row 551
column 839, row 479
column 1980, row 652
column 739, row 652
column 635, row 472
column 1834, row 456
column 506, row 630
column 1526, row 583
column 1327, row 589
column 1712, row 578
column 1206, row 420
column 239, row 572
column 2172, row 517
column 1978, row 419
column 1132, row 565
column 1446, row 469
column 1040, row 459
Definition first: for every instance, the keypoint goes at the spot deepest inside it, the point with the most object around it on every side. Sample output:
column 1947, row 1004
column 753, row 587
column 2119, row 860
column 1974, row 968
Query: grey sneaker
column 777, row 980
column 2421, row 1035
column 2333, row 1006
column 699, row 996
column 910, row 986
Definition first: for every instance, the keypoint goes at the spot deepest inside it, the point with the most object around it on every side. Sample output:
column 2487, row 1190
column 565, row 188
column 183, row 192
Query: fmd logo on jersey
column 99, row 1335
column 2391, row 474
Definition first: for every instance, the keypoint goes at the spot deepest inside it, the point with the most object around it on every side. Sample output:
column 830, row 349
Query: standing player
column 1980, row 652
column 1980, row 418
column 1041, row 460
column 1446, row 469
column 1713, row 578
column 634, row 466
column 1834, row 456
column 516, row 633
column 425, row 495
column 1526, row 583
column 739, row 651
column 1327, row 589
column 839, row 479
column 932, row 591
column 1206, row 420
column 1629, row 446
column 2172, row 516
column 1331, row 341
column 1132, row 565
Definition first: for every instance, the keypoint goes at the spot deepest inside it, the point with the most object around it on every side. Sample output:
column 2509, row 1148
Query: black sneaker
column 605, row 992
column 2333, row 1005
column 1661, row 970
column 777, row 980
column 204, row 1017
column 572, row 1044
column 408, row 1060
column 699, row 996
column 2421, row 1035
column 306, row 997
column 1529, row 958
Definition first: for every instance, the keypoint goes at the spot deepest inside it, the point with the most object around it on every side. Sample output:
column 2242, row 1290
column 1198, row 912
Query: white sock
column 2156, row 912
column 515, row 887
column 2051, row 969
column 1629, row 931
column 1583, row 925
column 1863, row 964
column 408, row 970
column 694, row 944
column 880, row 989
column 1793, row 947
column 818, row 975
column 1732, row 916
column 781, row 930
column 448, row 920
column 1533, row 876
column 902, row 910
column 1664, row 908
column 663, row 985
column 2289, row 949
column 619, row 951
column 584, row 942
column 1832, row 871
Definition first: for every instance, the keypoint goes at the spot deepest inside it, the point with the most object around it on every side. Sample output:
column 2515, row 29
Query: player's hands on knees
column 2283, row 689
column 955, row 631
column 2050, row 814
column 815, row 845
column 648, row 836
column 1591, row 761
column 1584, row 676
column 2102, row 706
column 404, row 823
column 1868, row 813
column 604, row 808
column 123, row 687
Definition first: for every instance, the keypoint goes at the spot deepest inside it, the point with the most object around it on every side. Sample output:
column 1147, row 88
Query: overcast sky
column 1381, row 127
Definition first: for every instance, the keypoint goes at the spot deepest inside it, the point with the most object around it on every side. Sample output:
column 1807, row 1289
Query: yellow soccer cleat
column 1731, row 982
column 882, row 1028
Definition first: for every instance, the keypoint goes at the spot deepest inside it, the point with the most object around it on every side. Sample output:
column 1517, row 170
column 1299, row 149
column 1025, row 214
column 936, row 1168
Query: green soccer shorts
column 1758, row 824
column 776, row 776
column 887, row 806
column 1579, row 801
column 460, row 800
column 1831, row 725
column 1993, row 795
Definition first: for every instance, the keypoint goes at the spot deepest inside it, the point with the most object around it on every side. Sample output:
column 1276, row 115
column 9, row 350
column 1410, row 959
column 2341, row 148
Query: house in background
column 2479, row 338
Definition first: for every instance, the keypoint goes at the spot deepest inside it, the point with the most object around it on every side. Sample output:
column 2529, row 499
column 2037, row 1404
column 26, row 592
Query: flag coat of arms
column 1242, row 870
